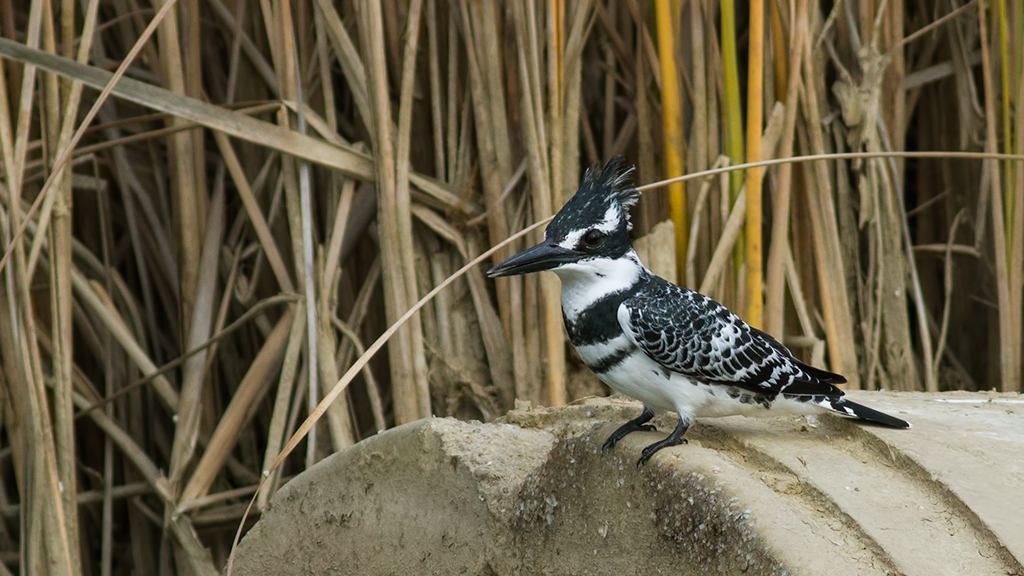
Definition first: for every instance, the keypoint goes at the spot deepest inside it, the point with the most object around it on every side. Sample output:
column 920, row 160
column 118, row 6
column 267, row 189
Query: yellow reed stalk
column 755, row 87
column 671, row 122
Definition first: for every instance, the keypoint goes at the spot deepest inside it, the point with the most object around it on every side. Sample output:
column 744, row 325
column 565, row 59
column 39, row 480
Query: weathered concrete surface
column 534, row 495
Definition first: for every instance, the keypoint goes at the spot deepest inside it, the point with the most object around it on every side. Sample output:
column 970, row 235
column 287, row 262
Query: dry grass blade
column 282, row 402
column 213, row 117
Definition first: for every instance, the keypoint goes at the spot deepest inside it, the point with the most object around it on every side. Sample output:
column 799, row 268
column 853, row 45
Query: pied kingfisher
column 671, row 348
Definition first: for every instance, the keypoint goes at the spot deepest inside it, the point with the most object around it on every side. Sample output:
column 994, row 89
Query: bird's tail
column 853, row 410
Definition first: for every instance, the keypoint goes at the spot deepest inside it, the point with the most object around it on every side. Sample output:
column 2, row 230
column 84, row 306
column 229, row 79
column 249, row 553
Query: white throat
column 587, row 281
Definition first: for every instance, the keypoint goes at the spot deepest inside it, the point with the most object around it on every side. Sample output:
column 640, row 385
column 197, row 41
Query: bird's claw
column 616, row 436
column 650, row 451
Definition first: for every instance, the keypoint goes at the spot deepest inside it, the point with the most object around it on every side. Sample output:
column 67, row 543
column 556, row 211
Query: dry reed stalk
column 200, row 327
column 61, row 121
column 282, row 402
column 183, row 170
column 555, row 36
column 891, row 22
column 404, row 205
column 779, row 246
column 645, row 122
column 701, row 145
column 403, row 366
column 510, row 293
column 328, row 273
column 713, row 137
column 699, row 148
column 608, row 115
column 582, row 18
column 284, row 51
column 434, row 76
column 1005, row 80
column 541, row 172
column 48, row 546
column 827, row 254
column 109, row 358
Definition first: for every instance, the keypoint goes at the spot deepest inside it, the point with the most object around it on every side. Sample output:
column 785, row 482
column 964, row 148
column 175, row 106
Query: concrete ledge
column 534, row 495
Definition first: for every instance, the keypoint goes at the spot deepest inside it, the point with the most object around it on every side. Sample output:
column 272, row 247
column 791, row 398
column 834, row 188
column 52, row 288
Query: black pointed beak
column 543, row 256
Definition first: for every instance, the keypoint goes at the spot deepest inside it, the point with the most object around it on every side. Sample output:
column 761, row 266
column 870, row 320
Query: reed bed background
column 193, row 256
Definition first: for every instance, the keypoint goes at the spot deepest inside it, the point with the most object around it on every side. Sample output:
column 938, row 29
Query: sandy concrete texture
column 533, row 494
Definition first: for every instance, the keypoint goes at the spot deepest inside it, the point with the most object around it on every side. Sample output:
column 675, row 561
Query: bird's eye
column 592, row 237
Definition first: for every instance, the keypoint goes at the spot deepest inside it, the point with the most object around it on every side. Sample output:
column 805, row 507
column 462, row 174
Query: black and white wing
column 691, row 334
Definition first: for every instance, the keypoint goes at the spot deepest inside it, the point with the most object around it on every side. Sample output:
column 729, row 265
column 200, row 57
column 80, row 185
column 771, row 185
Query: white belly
column 644, row 379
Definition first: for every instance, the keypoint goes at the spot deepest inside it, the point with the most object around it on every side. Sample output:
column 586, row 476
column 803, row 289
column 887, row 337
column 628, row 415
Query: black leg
column 638, row 423
column 674, row 439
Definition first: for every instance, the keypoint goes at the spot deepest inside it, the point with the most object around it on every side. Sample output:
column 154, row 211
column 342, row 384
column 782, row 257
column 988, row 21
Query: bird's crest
column 615, row 179
column 605, row 192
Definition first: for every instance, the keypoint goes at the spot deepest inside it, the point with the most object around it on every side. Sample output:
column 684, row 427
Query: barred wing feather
column 691, row 334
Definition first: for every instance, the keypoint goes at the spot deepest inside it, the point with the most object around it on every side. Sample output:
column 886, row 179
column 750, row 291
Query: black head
column 594, row 223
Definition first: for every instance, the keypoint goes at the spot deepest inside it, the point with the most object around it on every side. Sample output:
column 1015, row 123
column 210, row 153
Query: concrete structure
column 534, row 495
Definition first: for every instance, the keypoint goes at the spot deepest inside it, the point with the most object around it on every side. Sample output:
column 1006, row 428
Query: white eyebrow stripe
column 572, row 239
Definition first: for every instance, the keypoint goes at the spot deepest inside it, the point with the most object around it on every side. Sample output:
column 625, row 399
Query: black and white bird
column 671, row 348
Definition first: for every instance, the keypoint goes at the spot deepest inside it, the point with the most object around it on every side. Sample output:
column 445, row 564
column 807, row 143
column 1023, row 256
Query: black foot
column 637, row 424
column 674, row 439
